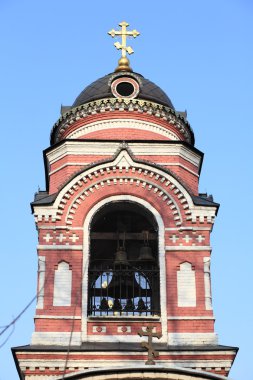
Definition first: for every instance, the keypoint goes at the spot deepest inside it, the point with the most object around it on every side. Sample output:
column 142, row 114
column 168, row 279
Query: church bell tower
column 124, row 252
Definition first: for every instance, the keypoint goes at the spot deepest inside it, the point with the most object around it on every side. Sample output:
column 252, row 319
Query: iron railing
column 123, row 290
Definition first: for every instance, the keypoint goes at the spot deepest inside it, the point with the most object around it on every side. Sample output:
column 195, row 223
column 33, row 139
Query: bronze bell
column 121, row 256
column 146, row 253
column 123, row 285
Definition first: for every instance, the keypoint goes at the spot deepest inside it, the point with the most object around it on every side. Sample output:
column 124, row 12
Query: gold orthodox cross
column 123, row 33
column 152, row 353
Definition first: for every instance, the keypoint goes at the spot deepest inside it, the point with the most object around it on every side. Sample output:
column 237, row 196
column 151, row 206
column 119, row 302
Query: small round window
column 125, row 87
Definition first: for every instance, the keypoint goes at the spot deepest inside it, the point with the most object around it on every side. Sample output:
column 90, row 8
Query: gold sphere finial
column 123, row 64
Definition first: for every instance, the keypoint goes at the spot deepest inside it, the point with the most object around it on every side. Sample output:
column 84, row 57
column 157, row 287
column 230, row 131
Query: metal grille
column 123, row 290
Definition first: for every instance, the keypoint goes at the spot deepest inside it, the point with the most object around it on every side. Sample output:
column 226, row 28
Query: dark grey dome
column 101, row 88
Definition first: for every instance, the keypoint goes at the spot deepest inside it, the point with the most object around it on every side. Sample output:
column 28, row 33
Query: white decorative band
column 186, row 317
column 114, row 338
column 56, row 317
column 122, row 124
column 190, row 339
column 188, row 248
column 56, row 338
column 79, row 148
column 178, row 164
column 182, row 228
column 63, row 247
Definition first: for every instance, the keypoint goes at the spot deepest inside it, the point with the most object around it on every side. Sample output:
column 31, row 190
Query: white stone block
column 186, row 286
column 62, row 285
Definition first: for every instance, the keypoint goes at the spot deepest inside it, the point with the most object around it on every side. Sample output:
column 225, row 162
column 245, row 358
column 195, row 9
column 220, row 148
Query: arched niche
column 156, row 216
column 123, row 275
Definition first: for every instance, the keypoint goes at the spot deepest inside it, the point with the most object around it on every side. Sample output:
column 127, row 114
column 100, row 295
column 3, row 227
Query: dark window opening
column 123, row 270
column 125, row 89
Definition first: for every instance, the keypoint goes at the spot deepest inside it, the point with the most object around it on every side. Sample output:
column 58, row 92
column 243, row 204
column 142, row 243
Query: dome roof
column 101, row 88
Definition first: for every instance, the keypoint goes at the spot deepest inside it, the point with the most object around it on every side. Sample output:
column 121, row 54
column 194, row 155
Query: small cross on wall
column 174, row 238
column 47, row 237
column 152, row 353
column 187, row 238
column 61, row 237
column 200, row 238
column 73, row 238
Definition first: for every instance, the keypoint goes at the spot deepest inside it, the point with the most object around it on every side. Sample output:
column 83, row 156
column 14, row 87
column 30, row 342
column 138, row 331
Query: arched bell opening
column 124, row 266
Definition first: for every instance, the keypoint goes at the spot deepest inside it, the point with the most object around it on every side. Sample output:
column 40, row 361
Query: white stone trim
column 40, row 316
column 143, row 149
column 129, row 318
column 86, row 244
column 190, row 317
column 62, row 285
column 178, row 339
column 102, row 125
column 202, row 212
column 178, row 164
column 62, row 247
column 115, row 338
column 186, row 286
column 188, row 248
column 54, row 227
column 45, row 212
column 41, row 282
column 39, row 377
column 182, row 228
column 80, row 148
column 207, row 282
column 57, row 338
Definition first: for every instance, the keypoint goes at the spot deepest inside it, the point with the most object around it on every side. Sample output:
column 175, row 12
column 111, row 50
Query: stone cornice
column 113, row 104
column 84, row 147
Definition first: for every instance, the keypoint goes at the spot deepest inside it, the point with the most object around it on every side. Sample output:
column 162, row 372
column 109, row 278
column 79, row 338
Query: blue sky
column 200, row 53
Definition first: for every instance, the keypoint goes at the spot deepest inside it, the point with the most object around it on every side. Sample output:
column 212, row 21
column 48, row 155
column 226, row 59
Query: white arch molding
column 169, row 200
column 142, row 125
column 86, row 255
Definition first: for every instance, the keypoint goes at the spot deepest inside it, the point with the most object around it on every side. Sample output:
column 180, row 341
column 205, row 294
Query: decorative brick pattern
column 65, row 237
column 99, row 329
column 187, row 239
column 70, row 121
column 73, row 156
column 124, row 329
column 149, row 186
